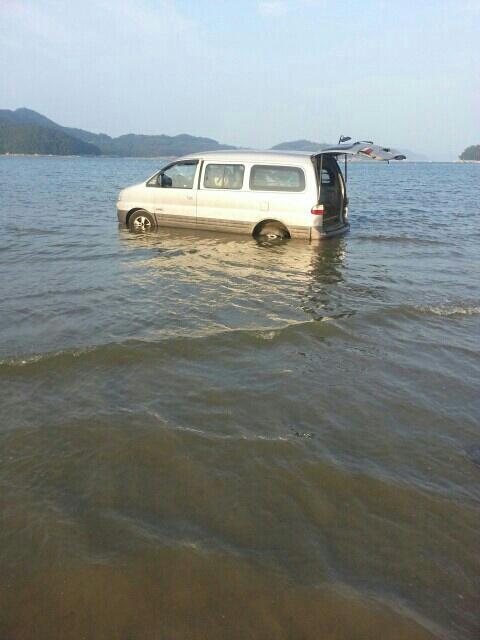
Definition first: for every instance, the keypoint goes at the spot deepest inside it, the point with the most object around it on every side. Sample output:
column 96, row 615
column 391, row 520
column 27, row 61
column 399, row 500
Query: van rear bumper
column 317, row 234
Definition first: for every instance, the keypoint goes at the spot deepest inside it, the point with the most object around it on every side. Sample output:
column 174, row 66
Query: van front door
column 175, row 198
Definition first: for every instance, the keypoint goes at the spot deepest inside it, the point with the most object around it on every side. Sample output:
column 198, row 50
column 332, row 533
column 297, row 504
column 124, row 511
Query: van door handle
column 189, row 197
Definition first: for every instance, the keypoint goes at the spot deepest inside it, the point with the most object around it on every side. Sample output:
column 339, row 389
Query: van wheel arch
column 130, row 214
column 271, row 230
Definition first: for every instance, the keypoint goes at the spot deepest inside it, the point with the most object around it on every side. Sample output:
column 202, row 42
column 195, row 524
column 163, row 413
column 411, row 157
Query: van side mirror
column 165, row 181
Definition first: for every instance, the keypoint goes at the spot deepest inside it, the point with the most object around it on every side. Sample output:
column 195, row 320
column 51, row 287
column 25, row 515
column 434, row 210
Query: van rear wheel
column 141, row 221
column 271, row 232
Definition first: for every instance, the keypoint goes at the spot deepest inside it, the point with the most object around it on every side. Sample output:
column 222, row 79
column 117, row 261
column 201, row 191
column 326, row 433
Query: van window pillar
column 320, row 180
column 200, row 174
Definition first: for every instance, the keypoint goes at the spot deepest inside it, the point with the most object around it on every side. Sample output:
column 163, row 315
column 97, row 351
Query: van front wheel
column 141, row 221
column 271, row 231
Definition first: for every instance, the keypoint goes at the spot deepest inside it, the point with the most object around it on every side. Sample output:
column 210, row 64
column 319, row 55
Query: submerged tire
column 272, row 232
column 141, row 221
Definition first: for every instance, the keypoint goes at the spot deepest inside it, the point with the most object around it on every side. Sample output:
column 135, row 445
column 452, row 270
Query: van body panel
column 224, row 225
column 175, row 204
column 221, row 206
column 181, row 221
column 132, row 198
column 245, row 208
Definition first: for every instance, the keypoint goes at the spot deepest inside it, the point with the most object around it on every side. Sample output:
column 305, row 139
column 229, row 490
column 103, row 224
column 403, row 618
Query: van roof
column 248, row 155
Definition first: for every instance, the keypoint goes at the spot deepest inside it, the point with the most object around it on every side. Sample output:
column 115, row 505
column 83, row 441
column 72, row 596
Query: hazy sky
column 250, row 72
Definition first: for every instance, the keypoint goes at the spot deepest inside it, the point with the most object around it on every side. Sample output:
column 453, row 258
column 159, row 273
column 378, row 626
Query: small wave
column 192, row 346
column 473, row 454
column 449, row 310
column 36, row 231
column 418, row 311
column 401, row 239
column 44, row 357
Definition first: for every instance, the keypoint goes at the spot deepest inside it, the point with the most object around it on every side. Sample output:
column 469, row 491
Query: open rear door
column 332, row 208
column 366, row 149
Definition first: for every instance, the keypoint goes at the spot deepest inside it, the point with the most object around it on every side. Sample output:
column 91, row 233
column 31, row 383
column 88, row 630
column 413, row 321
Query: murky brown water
column 206, row 438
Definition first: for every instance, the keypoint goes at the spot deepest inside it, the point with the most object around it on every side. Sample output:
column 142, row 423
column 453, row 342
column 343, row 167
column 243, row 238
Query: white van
column 264, row 194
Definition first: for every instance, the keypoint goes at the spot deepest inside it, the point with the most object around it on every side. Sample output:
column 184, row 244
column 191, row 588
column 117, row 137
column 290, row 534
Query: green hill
column 26, row 131
column 33, row 138
column 471, row 153
column 28, row 116
column 134, row 145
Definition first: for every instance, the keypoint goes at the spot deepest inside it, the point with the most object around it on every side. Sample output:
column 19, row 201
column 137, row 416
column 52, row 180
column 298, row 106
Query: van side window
column 276, row 178
column 223, row 176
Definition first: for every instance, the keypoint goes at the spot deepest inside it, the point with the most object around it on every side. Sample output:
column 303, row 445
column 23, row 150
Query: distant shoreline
column 54, row 155
column 105, row 157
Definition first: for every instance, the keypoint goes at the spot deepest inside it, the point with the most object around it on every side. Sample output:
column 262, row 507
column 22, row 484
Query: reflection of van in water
column 265, row 194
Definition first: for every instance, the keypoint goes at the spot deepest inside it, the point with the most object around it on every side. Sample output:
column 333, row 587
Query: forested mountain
column 28, row 116
column 471, row 153
column 133, row 145
column 35, row 139
column 26, row 131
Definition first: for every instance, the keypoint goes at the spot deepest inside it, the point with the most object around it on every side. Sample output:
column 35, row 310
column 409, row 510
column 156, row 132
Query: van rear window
column 276, row 178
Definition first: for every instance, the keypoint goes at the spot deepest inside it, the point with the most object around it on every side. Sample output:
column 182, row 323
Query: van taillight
column 318, row 210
